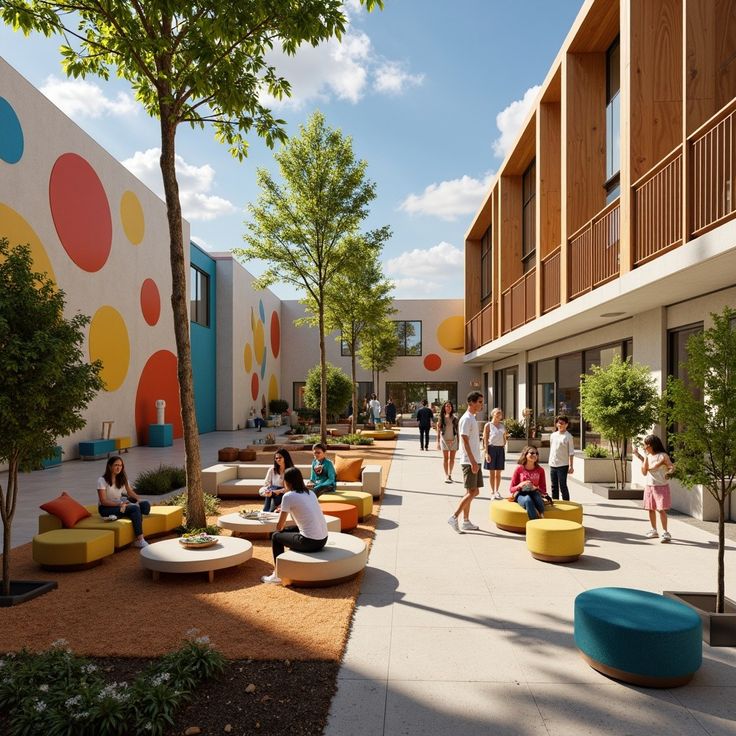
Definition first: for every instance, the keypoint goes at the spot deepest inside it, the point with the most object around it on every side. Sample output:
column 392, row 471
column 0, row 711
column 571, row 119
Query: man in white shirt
column 469, row 456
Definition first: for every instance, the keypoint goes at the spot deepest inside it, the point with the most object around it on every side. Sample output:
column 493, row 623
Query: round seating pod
column 638, row 637
column 555, row 540
column 511, row 517
column 347, row 514
column 341, row 559
column 361, row 500
column 72, row 549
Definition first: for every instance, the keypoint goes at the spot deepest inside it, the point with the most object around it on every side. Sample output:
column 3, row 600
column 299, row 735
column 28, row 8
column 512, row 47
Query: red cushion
column 66, row 509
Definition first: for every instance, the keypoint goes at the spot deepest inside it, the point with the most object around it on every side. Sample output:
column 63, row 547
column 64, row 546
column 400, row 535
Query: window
column 199, row 310
column 345, row 348
column 408, row 395
column 603, row 357
column 505, row 389
column 528, row 216
column 677, row 356
column 410, row 337
column 613, row 121
column 486, row 266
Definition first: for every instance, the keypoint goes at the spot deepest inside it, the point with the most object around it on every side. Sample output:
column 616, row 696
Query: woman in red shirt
column 528, row 484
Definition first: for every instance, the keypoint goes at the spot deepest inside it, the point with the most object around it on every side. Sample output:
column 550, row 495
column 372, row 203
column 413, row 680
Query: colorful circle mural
column 19, row 232
column 248, row 358
column 275, row 335
column 80, row 211
column 450, row 334
column 131, row 215
column 158, row 381
column 11, row 134
column 254, row 386
column 150, row 302
column 273, row 388
column 108, row 342
column 432, row 362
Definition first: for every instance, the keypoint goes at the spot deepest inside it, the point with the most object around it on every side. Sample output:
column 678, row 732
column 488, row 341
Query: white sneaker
column 666, row 536
column 112, row 517
column 273, row 578
column 452, row 521
column 140, row 543
column 448, row 479
column 651, row 534
column 497, row 496
column 468, row 526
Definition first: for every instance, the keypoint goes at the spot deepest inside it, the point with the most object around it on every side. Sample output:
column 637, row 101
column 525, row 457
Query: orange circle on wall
column 158, row 381
column 150, row 302
column 80, row 211
column 254, row 386
column 432, row 362
column 275, row 334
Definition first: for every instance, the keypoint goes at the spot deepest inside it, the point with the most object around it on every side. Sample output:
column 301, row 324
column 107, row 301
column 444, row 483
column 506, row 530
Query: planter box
column 597, row 470
column 55, row 459
column 719, row 629
column 629, row 493
column 26, row 590
column 516, row 445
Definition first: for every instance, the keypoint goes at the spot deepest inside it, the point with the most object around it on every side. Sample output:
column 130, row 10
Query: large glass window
column 542, row 388
column 505, row 390
column 410, row 336
column 486, row 266
column 528, row 219
column 569, row 368
column 603, row 357
column 408, row 395
column 199, row 306
column 345, row 347
column 677, row 357
column 613, row 121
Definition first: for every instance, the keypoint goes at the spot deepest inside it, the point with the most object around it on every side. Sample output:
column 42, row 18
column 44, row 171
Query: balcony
column 594, row 251
column 479, row 330
column 518, row 302
column 551, row 281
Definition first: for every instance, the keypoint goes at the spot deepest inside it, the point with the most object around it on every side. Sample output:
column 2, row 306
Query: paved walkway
column 467, row 634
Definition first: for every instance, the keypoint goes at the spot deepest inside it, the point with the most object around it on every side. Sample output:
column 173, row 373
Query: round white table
column 262, row 528
column 170, row 556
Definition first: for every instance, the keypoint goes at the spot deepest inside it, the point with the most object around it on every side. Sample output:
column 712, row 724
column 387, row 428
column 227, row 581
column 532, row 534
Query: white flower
column 40, row 706
column 202, row 640
column 192, row 633
column 73, row 702
column 160, row 679
column 88, row 669
column 43, row 688
column 60, row 644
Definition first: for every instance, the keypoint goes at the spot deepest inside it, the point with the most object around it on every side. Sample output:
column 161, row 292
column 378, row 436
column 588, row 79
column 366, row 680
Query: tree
column 379, row 348
column 705, row 441
column 357, row 299
column 45, row 383
column 620, row 401
column 198, row 62
column 307, row 229
column 339, row 389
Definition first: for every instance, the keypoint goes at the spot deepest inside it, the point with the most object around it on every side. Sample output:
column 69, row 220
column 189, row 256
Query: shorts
column 498, row 458
column 448, row 445
column 657, row 498
column 470, row 479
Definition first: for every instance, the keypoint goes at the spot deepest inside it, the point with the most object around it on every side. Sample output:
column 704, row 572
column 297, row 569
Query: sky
column 432, row 94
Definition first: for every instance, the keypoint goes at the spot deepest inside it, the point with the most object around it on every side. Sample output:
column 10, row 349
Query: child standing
column 561, row 454
column 656, row 466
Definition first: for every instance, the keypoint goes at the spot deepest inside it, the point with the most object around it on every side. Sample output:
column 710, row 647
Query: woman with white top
column 310, row 532
column 657, row 467
column 273, row 485
column 494, row 440
column 447, row 438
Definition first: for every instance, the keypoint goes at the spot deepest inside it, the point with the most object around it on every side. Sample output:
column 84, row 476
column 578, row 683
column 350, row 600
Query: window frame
column 529, row 224
column 198, row 301
column 402, row 351
column 486, row 265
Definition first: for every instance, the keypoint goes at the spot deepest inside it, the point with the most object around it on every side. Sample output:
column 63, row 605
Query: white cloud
column 392, row 79
column 79, row 98
column 426, row 262
column 412, row 288
column 195, row 183
column 509, row 121
column 449, row 199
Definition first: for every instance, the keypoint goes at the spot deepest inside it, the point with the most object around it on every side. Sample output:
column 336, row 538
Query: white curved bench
column 341, row 559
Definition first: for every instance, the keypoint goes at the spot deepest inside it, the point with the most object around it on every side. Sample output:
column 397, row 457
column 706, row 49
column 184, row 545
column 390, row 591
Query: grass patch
column 157, row 481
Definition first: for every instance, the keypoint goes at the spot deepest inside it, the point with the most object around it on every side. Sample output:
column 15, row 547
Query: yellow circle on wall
column 14, row 227
column 259, row 341
column 248, row 357
column 131, row 215
column 273, row 388
column 450, row 334
column 108, row 342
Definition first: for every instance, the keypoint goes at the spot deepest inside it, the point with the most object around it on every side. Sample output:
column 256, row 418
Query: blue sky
column 432, row 94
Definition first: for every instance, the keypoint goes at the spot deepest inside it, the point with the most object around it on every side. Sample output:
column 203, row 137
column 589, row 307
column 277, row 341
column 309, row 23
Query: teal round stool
column 638, row 637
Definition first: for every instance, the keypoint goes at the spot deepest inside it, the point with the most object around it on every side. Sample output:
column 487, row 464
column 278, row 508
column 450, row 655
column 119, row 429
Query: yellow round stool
column 511, row 517
column 555, row 540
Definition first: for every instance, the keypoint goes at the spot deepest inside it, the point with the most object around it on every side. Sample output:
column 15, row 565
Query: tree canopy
column 339, row 389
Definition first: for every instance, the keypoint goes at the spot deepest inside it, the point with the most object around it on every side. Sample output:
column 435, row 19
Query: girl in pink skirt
column 657, row 467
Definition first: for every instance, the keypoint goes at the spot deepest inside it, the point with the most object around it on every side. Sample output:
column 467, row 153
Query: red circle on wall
column 432, row 362
column 254, row 386
column 158, row 381
column 275, row 335
column 150, row 302
column 80, row 211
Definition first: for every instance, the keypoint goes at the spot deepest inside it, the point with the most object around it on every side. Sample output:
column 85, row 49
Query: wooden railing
column 712, row 161
column 479, row 330
column 518, row 302
column 593, row 251
column 657, row 203
column 551, row 281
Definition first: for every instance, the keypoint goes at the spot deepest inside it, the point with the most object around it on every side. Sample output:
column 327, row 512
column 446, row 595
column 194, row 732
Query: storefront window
column 569, row 368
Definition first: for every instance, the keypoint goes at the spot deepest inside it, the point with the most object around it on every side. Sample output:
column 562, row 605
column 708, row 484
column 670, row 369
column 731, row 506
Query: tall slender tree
column 196, row 62
column 307, row 229
column 378, row 348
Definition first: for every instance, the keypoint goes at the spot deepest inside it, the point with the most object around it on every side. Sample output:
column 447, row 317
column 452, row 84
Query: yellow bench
column 72, row 549
column 511, row 517
column 555, row 540
column 361, row 500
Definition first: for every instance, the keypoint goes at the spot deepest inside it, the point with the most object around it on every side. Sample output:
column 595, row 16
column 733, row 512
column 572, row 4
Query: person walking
column 657, row 467
column 374, row 410
column 494, row 444
column 390, row 411
column 561, row 455
column 425, row 419
column 447, row 439
column 469, row 458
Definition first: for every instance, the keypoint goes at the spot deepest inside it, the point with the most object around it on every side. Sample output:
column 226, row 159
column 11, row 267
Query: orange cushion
column 66, row 509
column 348, row 469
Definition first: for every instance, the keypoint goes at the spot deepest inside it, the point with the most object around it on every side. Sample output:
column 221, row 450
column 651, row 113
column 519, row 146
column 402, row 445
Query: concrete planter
column 597, row 470
column 26, row 590
column 719, row 629
column 515, row 445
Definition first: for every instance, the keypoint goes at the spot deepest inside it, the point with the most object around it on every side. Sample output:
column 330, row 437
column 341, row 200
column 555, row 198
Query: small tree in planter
column 621, row 402
column 46, row 384
column 705, row 442
column 278, row 406
column 339, row 388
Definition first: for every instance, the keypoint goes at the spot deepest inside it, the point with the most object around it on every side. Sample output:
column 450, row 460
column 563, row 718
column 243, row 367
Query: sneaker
column 651, row 534
column 112, row 517
column 468, row 526
column 273, row 578
column 497, row 496
column 666, row 536
column 452, row 521
column 140, row 543
column 448, row 479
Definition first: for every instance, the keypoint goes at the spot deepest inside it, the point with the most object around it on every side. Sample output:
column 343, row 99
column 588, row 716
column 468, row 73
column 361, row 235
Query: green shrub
column 278, row 406
column 356, row 439
column 595, row 451
column 156, row 482
column 515, row 429
column 211, row 503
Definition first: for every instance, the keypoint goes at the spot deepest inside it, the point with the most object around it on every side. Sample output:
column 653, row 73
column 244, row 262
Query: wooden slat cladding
column 479, row 329
column 551, row 281
column 518, row 302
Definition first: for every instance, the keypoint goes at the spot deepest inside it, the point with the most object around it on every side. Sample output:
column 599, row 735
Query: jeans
column 133, row 511
column 424, row 438
column 558, row 476
column 290, row 537
column 532, row 502
column 272, row 502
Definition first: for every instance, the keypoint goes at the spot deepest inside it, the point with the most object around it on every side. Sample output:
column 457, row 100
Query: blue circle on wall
column 11, row 134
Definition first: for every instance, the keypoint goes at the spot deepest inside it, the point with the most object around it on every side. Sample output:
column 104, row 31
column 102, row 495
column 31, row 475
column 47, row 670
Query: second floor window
column 486, row 267
column 410, row 337
column 613, row 121
column 345, row 347
column 528, row 216
column 199, row 308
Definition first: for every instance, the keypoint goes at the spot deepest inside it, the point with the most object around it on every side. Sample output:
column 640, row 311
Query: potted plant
column 620, row 401
column 278, row 406
column 595, row 466
column 704, row 411
column 517, row 435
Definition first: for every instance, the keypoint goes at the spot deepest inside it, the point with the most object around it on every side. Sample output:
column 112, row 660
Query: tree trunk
column 196, row 517
column 721, row 588
column 323, row 372
column 7, row 509
column 353, row 370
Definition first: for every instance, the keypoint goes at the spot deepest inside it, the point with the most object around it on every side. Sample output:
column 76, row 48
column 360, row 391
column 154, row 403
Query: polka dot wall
column 260, row 355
